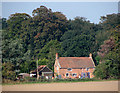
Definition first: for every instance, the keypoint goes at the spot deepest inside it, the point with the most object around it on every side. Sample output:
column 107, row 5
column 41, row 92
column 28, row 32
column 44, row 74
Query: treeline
column 27, row 38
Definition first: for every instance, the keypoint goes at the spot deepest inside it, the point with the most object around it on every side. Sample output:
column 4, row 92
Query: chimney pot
column 90, row 55
column 56, row 55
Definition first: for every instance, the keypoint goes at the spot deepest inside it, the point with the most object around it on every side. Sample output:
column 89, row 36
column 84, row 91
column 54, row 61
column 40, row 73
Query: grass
column 59, row 81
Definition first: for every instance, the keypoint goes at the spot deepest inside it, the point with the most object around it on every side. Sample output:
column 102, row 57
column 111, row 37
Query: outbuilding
column 43, row 71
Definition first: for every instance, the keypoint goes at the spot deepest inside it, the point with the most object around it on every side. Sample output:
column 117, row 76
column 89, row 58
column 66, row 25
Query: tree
column 110, row 57
column 25, row 65
column 24, row 36
column 13, row 51
column 43, row 61
column 101, row 71
column 15, row 23
column 110, row 68
column 4, row 23
column 49, row 51
column 113, row 63
column 8, row 71
column 106, row 47
column 45, row 25
column 97, row 58
column 105, row 28
column 80, row 39
column 110, row 21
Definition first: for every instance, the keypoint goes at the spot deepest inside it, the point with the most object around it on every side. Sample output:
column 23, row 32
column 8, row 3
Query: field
column 73, row 86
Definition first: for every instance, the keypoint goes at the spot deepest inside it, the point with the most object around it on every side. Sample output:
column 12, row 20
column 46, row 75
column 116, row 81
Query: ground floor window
column 67, row 74
column 85, row 75
column 87, row 69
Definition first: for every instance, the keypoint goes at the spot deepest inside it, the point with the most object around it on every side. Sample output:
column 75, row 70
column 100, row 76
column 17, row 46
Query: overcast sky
column 90, row 10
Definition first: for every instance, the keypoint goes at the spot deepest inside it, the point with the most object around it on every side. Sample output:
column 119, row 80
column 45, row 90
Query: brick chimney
column 90, row 55
column 56, row 55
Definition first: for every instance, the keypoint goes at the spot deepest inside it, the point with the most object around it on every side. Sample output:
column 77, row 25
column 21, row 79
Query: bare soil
column 75, row 86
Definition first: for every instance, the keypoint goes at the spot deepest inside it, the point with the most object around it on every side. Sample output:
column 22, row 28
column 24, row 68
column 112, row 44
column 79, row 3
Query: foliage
column 101, row 36
column 49, row 51
column 12, row 51
column 43, row 61
column 24, row 37
column 113, row 63
column 97, row 58
column 7, row 71
column 44, row 26
column 15, row 23
column 110, row 21
column 110, row 66
column 106, row 47
column 4, row 23
column 80, row 39
column 101, row 71
column 106, row 27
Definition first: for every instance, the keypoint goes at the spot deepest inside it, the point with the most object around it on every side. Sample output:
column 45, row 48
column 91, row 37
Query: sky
column 90, row 10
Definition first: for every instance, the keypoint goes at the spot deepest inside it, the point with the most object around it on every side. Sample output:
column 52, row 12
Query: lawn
column 57, row 81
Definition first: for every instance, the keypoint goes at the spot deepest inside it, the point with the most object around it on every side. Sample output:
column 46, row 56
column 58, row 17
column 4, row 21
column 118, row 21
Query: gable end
column 46, row 69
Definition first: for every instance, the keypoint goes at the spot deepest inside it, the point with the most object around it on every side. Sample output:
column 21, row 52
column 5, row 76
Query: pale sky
column 90, row 10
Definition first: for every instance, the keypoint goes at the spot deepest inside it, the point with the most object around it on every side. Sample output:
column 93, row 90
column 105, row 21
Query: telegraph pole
column 37, row 70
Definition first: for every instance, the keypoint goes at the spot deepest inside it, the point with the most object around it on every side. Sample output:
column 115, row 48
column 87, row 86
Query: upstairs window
column 74, row 74
column 69, row 69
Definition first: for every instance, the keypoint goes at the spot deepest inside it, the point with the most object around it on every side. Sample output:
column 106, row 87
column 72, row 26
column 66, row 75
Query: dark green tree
column 80, row 39
column 15, row 23
column 110, row 57
column 49, row 51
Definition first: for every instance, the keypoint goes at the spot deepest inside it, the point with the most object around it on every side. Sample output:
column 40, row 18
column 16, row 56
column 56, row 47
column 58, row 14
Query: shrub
column 101, row 71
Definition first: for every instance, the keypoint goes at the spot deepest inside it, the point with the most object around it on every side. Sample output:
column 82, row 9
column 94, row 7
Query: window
column 69, row 69
column 87, row 69
column 84, row 75
column 74, row 74
column 67, row 74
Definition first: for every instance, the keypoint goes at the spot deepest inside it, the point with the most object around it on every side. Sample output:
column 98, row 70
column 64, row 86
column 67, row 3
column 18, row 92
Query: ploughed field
column 73, row 86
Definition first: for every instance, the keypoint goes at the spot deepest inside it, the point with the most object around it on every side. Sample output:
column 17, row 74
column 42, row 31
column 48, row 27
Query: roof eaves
column 42, row 68
column 49, row 68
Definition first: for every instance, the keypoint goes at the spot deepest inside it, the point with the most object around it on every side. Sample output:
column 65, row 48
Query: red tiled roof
column 39, row 68
column 75, row 62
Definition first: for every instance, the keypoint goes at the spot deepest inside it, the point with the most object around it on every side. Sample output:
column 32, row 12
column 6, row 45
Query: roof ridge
column 74, row 57
column 76, row 62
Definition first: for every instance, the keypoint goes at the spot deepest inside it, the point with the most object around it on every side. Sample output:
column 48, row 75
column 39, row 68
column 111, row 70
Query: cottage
column 74, row 67
column 43, row 71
